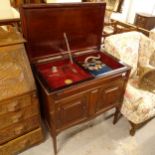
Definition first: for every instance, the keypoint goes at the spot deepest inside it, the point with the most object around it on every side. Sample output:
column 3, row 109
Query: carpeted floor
column 100, row 137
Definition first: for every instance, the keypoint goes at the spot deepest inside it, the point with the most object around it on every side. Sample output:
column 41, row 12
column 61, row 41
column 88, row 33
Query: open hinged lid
column 44, row 26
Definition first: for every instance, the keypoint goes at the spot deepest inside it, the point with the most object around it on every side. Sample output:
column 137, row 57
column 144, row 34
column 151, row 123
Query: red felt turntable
column 60, row 74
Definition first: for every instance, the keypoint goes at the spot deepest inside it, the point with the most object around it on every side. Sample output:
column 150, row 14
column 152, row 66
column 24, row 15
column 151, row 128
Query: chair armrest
column 146, row 78
column 9, row 21
column 109, row 28
column 143, row 70
column 10, row 24
column 110, row 23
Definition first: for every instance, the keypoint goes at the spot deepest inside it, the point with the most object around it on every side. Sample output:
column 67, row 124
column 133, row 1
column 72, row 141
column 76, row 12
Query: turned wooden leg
column 55, row 144
column 133, row 129
column 116, row 115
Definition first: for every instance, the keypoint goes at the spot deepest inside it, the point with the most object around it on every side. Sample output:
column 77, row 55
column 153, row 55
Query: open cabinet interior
column 63, row 73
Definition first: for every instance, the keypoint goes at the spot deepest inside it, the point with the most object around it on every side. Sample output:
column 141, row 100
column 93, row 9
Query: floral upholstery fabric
column 139, row 104
column 145, row 45
column 120, row 47
column 147, row 81
column 152, row 59
column 152, row 34
column 152, row 37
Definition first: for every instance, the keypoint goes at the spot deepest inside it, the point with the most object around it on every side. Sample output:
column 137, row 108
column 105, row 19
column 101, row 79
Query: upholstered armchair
column 136, row 50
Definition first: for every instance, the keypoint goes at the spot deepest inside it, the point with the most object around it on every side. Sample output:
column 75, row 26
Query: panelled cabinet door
column 71, row 110
column 109, row 95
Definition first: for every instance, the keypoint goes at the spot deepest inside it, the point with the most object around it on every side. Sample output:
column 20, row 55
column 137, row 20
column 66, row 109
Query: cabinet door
column 109, row 95
column 71, row 110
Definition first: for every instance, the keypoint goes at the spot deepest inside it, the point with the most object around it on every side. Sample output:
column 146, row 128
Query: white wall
column 5, row 9
column 125, row 11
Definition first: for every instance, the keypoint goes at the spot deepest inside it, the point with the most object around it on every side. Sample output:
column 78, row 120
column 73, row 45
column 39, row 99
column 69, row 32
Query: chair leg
column 133, row 129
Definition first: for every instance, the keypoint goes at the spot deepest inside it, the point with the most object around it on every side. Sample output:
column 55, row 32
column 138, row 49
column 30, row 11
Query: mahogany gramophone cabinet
column 77, row 81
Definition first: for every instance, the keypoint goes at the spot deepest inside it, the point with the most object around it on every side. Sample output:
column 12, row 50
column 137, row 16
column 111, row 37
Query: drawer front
column 15, row 117
column 18, row 129
column 72, row 110
column 17, row 103
column 21, row 143
column 110, row 93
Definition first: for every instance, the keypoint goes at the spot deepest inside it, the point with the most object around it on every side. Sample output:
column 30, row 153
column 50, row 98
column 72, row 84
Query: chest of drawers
column 20, row 123
column 145, row 21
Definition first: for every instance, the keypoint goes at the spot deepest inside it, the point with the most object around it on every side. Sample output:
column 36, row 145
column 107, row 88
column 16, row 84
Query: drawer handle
column 112, row 89
column 14, row 107
column 19, row 130
column 17, row 118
